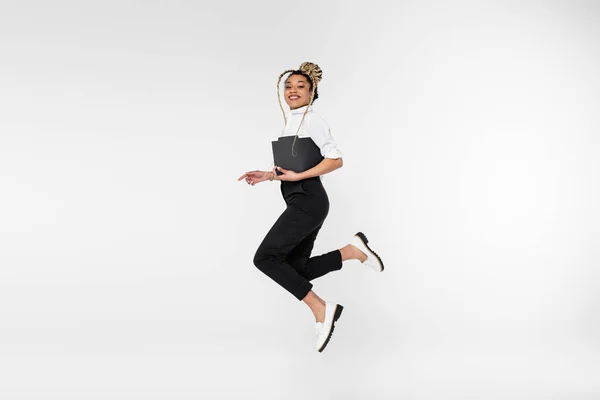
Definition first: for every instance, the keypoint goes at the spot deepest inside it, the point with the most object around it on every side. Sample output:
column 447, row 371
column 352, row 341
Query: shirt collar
column 301, row 110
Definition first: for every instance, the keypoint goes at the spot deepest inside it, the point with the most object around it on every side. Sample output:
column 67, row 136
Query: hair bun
column 312, row 70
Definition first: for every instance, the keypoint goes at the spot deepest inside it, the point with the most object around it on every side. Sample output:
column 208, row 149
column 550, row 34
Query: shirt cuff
column 333, row 153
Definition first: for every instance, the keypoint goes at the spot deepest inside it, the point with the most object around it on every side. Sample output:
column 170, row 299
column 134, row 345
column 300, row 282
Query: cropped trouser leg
column 313, row 267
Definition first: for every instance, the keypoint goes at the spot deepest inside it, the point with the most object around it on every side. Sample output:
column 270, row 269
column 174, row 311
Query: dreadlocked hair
column 314, row 74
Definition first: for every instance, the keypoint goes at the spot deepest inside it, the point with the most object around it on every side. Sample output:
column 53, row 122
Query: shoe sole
column 336, row 315
column 364, row 239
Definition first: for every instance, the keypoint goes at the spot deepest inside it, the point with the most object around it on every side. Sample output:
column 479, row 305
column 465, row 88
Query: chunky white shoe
column 325, row 329
column 360, row 240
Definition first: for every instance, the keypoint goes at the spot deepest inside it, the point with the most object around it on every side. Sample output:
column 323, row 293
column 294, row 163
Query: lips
column 294, row 97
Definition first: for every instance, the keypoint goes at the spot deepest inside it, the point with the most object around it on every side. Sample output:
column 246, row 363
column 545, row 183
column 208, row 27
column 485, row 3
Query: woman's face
column 297, row 92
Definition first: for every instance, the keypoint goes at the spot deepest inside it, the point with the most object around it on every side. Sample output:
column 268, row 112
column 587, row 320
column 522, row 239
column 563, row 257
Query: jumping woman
column 285, row 253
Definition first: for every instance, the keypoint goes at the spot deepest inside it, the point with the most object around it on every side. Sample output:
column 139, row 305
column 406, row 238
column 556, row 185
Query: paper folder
column 307, row 153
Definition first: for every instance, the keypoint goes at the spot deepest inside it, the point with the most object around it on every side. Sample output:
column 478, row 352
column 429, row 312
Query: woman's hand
column 287, row 175
column 254, row 177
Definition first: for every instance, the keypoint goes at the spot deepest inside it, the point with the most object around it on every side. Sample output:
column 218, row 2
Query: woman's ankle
column 348, row 253
column 351, row 252
column 319, row 314
column 316, row 305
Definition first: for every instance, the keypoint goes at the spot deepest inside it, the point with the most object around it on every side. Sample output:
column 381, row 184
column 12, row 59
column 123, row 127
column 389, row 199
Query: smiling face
column 297, row 91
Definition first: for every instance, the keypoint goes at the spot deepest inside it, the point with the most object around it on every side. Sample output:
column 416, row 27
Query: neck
column 299, row 107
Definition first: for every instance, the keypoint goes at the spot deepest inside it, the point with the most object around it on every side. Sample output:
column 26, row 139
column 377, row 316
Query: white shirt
column 313, row 126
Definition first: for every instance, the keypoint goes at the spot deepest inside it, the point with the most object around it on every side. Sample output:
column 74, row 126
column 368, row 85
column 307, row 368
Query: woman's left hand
column 287, row 174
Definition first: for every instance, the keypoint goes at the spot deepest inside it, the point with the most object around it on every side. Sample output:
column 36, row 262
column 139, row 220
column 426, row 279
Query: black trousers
column 284, row 254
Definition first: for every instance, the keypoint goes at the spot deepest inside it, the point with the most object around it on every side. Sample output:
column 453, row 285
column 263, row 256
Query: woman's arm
column 324, row 167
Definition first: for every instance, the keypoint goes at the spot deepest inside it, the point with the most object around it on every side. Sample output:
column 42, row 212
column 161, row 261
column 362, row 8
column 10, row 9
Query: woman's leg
column 317, row 266
column 314, row 267
column 271, row 257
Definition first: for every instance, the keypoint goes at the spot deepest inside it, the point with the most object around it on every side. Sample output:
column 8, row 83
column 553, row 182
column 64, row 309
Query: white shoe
column 360, row 240
column 325, row 329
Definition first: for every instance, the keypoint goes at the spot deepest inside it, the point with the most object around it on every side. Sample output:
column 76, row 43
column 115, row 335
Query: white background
column 470, row 140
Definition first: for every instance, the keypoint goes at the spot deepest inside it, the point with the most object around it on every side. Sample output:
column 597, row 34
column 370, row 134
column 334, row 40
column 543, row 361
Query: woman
column 284, row 254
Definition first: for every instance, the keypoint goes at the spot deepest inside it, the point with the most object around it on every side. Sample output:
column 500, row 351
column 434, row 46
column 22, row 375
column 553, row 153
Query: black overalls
column 284, row 254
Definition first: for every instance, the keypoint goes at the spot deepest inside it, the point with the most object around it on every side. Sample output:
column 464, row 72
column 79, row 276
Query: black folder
column 306, row 153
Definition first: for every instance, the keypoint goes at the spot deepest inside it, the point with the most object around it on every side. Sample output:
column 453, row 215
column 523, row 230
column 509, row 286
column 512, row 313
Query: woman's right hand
column 254, row 177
